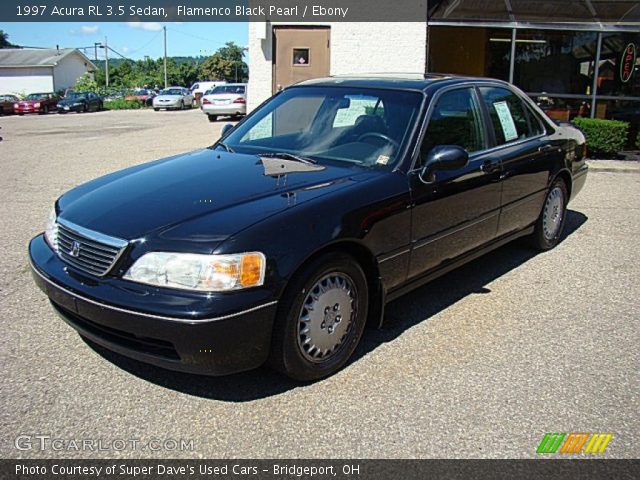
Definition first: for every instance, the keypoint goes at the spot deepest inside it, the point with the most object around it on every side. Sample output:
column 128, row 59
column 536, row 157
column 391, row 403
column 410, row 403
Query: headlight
column 190, row 271
column 36, row 105
column 51, row 230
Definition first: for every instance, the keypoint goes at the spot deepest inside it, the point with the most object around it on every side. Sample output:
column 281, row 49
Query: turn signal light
column 251, row 270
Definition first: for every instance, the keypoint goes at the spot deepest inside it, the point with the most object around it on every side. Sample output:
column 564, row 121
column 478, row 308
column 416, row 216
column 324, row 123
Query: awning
column 618, row 12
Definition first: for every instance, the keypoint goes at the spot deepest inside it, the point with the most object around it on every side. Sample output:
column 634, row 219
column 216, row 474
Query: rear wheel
column 550, row 224
column 212, row 118
column 321, row 318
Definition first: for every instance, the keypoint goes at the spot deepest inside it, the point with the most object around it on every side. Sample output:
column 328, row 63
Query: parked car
column 80, row 102
column 7, row 102
column 116, row 95
column 143, row 95
column 198, row 89
column 36, row 103
column 288, row 235
column 176, row 98
column 225, row 100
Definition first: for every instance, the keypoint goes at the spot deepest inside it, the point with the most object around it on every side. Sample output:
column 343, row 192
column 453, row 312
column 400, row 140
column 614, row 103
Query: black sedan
column 80, row 102
column 286, row 237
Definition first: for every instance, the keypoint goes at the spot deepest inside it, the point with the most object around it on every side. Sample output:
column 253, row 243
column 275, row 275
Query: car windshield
column 226, row 89
column 36, row 96
column 76, row 95
column 366, row 127
column 171, row 91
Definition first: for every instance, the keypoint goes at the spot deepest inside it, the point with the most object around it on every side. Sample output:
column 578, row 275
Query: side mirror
column 225, row 129
column 443, row 157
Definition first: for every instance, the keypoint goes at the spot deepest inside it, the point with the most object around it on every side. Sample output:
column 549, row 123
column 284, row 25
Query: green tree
column 86, row 84
column 226, row 64
column 4, row 40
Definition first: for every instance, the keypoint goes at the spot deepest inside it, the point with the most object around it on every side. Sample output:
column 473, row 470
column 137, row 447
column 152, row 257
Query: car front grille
column 89, row 251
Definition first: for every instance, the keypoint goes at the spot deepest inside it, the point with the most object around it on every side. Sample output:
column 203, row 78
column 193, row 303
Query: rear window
column 239, row 89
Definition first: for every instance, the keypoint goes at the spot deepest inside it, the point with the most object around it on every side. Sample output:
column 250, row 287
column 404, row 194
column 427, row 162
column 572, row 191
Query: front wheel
column 550, row 224
column 321, row 318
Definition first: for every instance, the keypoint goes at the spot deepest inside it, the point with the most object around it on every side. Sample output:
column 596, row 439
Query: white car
column 202, row 87
column 225, row 100
column 176, row 98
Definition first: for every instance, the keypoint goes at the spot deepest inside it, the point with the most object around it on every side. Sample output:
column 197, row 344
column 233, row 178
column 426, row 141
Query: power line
column 216, row 42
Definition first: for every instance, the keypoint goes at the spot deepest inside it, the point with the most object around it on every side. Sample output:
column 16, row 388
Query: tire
column 85, row 108
column 303, row 344
column 156, row 109
column 212, row 118
column 182, row 105
column 45, row 110
column 550, row 224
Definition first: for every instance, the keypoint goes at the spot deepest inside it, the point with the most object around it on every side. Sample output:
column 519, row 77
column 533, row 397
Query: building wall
column 356, row 47
column 68, row 70
column 22, row 81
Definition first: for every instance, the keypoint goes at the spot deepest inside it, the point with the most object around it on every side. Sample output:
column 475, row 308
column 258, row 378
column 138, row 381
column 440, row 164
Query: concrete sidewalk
column 617, row 166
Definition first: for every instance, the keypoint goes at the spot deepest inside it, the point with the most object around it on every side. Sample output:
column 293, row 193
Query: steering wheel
column 378, row 135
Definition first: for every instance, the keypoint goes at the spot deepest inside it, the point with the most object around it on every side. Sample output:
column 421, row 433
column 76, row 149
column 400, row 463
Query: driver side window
column 455, row 120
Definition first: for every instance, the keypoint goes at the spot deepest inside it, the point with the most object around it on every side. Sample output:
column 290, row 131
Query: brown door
column 299, row 54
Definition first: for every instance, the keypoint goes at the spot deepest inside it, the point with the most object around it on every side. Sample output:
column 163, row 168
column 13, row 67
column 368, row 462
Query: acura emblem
column 75, row 249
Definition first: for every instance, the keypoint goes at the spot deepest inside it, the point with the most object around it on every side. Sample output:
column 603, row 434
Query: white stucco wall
column 356, row 47
column 22, row 81
column 68, row 70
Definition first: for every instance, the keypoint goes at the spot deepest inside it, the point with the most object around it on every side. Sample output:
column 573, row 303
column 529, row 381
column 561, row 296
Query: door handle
column 490, row 167
column 545, row 148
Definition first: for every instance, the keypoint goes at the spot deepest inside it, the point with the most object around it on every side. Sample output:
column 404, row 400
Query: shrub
column 122, row 104
column 604, row 137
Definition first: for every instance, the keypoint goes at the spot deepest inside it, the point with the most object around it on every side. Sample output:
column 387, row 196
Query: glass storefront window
column 549, row 61
column 618, row 75
column 482, row 52
column 563, row 109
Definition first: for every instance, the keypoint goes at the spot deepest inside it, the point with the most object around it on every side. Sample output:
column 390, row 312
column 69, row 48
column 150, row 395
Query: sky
column 133, row 40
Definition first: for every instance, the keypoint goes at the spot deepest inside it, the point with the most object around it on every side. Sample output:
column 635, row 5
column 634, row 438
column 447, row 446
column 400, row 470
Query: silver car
column 176, row 98
column 225, row 100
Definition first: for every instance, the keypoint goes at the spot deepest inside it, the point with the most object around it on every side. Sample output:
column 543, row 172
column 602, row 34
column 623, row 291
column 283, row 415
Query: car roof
column 399, row 81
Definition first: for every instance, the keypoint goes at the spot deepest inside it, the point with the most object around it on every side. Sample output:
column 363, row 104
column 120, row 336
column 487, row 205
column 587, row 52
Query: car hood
column 203, row 196
column 31, row 102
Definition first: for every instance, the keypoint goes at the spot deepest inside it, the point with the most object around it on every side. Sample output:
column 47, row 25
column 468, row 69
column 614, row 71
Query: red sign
column 628, row 62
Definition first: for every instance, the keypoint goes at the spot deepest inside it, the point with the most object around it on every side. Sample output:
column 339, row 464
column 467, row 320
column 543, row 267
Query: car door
column 455, row 211
column 525, row 153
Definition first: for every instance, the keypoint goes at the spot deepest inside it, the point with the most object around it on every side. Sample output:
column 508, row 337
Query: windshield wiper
column 226, row 147
column 288, row 156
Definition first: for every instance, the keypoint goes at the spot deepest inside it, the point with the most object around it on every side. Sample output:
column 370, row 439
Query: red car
column 144, row 95
column 36, row 103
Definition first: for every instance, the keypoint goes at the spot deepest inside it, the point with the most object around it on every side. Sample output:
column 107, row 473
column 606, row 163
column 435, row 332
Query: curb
column 613, row 166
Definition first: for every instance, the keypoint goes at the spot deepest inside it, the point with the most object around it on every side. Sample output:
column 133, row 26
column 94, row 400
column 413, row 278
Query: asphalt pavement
column 480, row 363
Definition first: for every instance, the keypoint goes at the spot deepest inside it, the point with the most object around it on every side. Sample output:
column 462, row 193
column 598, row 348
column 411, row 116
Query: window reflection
column 555, row 61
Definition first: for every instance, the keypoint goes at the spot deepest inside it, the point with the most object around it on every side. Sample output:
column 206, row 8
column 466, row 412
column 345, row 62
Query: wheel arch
column 367, row 261
column 565, row 175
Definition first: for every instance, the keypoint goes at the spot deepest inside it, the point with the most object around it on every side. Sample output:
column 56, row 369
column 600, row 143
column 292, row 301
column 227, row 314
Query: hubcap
column 553, row 213
column 326, row 316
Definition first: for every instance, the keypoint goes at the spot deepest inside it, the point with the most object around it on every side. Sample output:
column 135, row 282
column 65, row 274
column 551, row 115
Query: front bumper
column 22, row 110
column 69, row 108
column 224, row 338
column 166, row 105
column 228, row 109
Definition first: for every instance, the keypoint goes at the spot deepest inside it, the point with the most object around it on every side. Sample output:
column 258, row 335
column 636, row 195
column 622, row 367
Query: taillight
column 240, row 100
column 205, row 101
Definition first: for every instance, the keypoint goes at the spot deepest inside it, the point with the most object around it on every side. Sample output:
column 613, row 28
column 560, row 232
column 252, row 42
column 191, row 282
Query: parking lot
column 480, row 363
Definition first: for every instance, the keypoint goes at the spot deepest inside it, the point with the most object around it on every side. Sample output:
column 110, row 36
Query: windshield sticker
column 506, row 120
column 383, row 160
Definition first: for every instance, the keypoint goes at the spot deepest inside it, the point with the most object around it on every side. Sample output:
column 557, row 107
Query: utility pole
column 95, row 50
column 166, row 83
column 106, row 62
